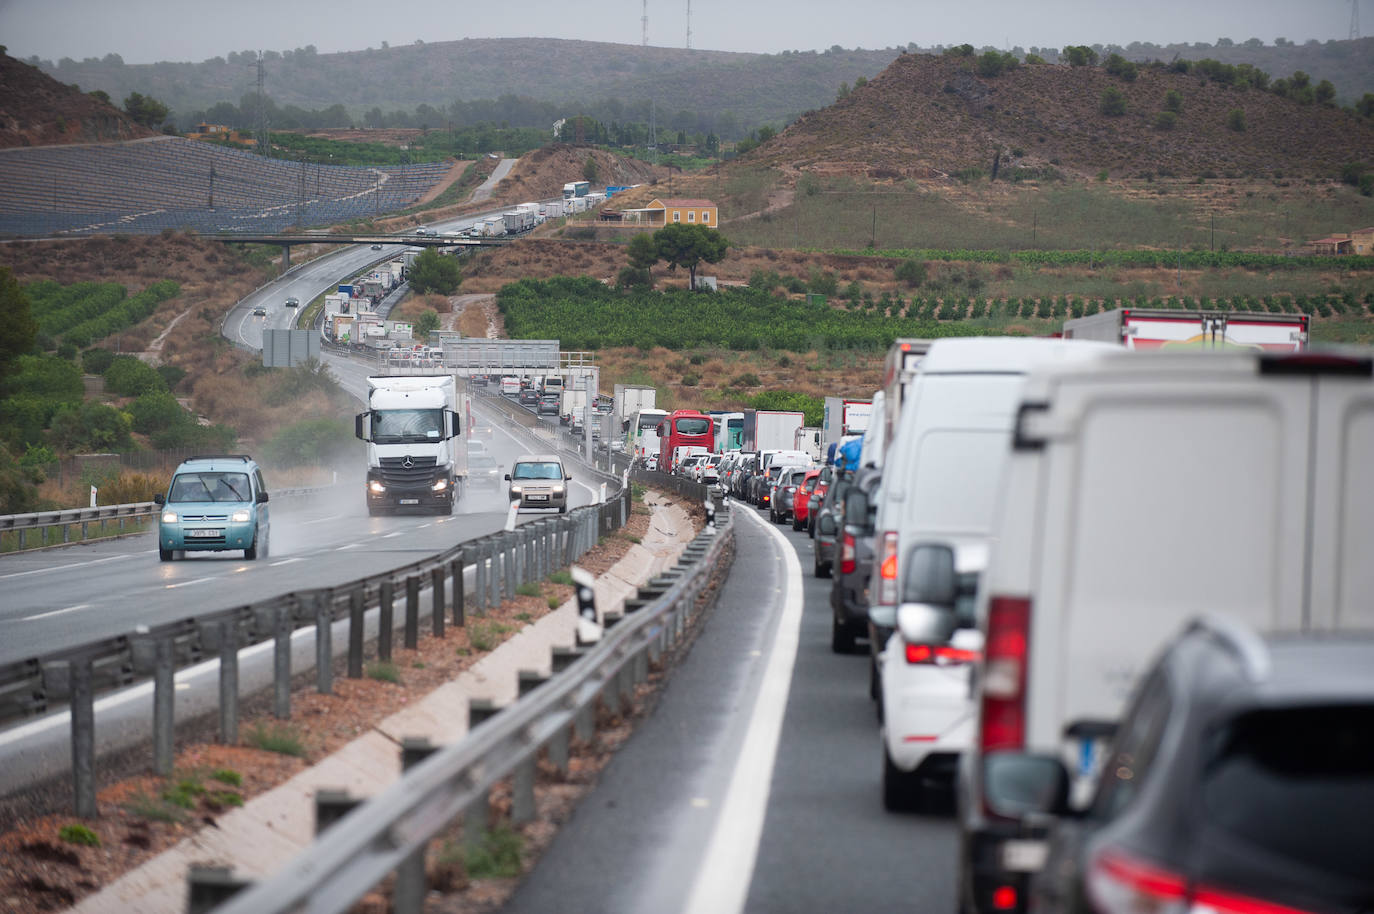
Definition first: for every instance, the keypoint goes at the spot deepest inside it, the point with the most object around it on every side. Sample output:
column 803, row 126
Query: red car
column 802, row 497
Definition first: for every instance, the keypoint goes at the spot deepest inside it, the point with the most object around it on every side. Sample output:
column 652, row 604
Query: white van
column 1145, row 489
column 942, row 468
column 786, row 458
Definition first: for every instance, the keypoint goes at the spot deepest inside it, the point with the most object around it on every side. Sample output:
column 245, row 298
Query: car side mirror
column 930, row 576
column 262, row 498
column 922, row 623
column 507, row 477
column 826, row 524
column 856, row 505
column 568, row 478
column 159, row 499
column 1019, row 784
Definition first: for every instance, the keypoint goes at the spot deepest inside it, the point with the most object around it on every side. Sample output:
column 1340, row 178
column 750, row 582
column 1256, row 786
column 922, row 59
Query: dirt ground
column 49, row 860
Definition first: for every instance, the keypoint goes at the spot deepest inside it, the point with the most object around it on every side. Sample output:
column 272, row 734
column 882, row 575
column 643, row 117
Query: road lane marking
column 285, row 562
column 350, row 546
column 722, row 883
column 58, row 612
column 188, row 583
column 388, row 536
column 20, row 574
column 320, row 520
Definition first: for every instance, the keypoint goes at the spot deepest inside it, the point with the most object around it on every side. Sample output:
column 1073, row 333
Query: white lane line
column 285, row 562
column 390, row 535
column 351, row 546
column 722, row 884
column 320, row 520
column 423, row 526
column 189, row 583
column 20, row 574
column 57, row 612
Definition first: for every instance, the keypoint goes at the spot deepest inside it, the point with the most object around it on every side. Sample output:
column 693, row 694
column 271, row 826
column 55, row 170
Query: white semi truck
column 1164, row 328
column 414, row 427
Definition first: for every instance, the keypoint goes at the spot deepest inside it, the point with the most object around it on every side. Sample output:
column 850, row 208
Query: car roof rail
column 1239, row 638
column 244, row 457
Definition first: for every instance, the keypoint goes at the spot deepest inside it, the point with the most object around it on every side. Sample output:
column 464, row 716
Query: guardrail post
column 324, row 646
column 508, row 565
column 229, row 682
column 331, row 806
column 83, row 737
column 281, row 664
column 409, row 895
column 355, row 633
column 436, row 592
column 459, row 589
column 493, row 598
column 386, row 621
column 412, row 612
column 210, row 886
column 479, row 575
column 164, row 696
column 565, row 528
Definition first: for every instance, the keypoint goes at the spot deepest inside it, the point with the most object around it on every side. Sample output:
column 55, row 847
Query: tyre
column 822, row 569
column 901, row 789
column 164, row 555
column 563, row 509
column 251, row 553
column 796, row 524
column 841, row 639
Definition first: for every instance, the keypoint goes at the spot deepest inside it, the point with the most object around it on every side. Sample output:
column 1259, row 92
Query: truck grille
column 396, row 473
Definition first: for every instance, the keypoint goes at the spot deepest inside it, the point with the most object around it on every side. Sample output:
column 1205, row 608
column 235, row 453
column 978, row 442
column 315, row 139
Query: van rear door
column 1343, row 496
column 1175, row 489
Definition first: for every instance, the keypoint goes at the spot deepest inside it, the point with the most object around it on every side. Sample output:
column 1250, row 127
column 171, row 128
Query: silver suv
column 539, row 481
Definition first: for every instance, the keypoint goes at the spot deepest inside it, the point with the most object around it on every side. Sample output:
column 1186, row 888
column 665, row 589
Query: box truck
column 768, row 429
column 1163, row 328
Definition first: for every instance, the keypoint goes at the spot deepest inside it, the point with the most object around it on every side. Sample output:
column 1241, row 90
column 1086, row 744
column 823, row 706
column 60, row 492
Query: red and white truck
column 1160, row 328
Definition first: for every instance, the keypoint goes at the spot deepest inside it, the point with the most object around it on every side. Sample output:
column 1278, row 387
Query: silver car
column 539, row 481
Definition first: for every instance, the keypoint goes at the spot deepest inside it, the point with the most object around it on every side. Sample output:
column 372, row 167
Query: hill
column 729, row 92
column 37, row 110
column 930, row 117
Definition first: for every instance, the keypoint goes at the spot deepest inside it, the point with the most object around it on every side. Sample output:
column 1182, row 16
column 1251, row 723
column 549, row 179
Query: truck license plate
column 1024, row 856
column 410, row 501
column 204, row 534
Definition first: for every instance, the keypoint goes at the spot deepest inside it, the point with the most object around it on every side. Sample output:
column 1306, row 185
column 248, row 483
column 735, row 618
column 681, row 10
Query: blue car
column 214, row 504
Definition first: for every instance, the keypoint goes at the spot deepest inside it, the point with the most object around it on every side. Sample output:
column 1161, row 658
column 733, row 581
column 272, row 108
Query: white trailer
column 1164, row 328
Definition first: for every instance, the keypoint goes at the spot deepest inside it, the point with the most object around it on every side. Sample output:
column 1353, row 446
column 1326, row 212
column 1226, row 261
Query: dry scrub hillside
column 37, row 110
column 929, row 117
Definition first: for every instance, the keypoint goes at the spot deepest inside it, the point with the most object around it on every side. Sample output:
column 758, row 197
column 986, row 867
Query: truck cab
column 415, row 455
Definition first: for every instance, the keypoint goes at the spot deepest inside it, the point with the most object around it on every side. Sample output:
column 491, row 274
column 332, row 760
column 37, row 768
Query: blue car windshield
column 210, row 487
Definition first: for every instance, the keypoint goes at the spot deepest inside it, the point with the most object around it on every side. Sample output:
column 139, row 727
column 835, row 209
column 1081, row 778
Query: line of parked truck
column 1039, row 539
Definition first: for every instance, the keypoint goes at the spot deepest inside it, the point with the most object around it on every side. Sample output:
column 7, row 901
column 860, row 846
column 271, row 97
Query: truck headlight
column 375, row 485
column 242, row 516
column 169, row 517
column 440, row 486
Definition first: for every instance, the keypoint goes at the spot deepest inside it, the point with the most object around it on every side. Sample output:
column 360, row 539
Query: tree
column 590, row 172
column 1235, row 119
column 145, row 110
column 1173, row 101
column 1080, row 55
column 426, row 323
column 1113, row 102
column 434, row 272
column 643, row 254
column 686, row 245
column 20, row 328
column 1326, row 92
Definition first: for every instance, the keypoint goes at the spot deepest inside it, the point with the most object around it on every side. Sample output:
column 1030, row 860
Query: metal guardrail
column 68, row 518
column 362, row 842
column 503, row 561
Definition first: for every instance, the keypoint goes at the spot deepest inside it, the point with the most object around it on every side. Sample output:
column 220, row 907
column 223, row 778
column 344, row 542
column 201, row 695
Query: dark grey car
column 849, row 593
column 827, row 523
column 1241, row 778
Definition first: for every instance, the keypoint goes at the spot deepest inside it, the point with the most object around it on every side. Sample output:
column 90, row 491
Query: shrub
column 823, row 283
column 1166, row 120
column 1235, row 119
column 383, row 671
column 309, row 442
column 130, row 377
column 911, row 271
column 496, row 857
column 153, row 412
column 281, row 738
column 528, row 590
column 1113, row 103
column 1173, row 101
column 1120, row 67
column 227, row 776
column 76, row 833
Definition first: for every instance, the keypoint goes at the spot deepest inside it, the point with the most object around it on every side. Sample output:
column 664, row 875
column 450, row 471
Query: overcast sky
column 144, row 31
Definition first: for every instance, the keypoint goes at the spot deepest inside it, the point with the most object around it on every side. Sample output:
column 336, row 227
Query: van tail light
column 1118, row 882
column 887, row 568
column 1004, row 674
column 940, row 655
column 847, row 553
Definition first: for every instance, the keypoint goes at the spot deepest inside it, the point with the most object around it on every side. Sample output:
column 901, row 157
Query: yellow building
column 692, row 212
column 1362, row 242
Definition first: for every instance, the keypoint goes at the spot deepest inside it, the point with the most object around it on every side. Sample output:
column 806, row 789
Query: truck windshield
column 398, row 426
column 210, row 487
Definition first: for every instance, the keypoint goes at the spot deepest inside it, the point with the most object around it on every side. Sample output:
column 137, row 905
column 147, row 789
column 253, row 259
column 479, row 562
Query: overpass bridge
column 287, row 240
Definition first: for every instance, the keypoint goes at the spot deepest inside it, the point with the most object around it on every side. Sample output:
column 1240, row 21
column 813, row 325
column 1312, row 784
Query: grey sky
column 144, row 31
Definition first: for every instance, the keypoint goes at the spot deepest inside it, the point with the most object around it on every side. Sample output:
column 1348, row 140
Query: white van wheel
column 901, row 789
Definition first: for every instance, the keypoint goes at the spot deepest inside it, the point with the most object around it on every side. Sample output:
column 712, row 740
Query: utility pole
column 1354, row 19
column 689, row 25
column 644, row 24
column 264, row 147
column 212, row 186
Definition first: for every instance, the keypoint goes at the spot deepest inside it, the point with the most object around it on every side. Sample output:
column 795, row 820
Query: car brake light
column 1004, row 898
column 887, row 568
column 1004, row 675
column 847, row 562
column 1117, row 884
column 940, row 655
